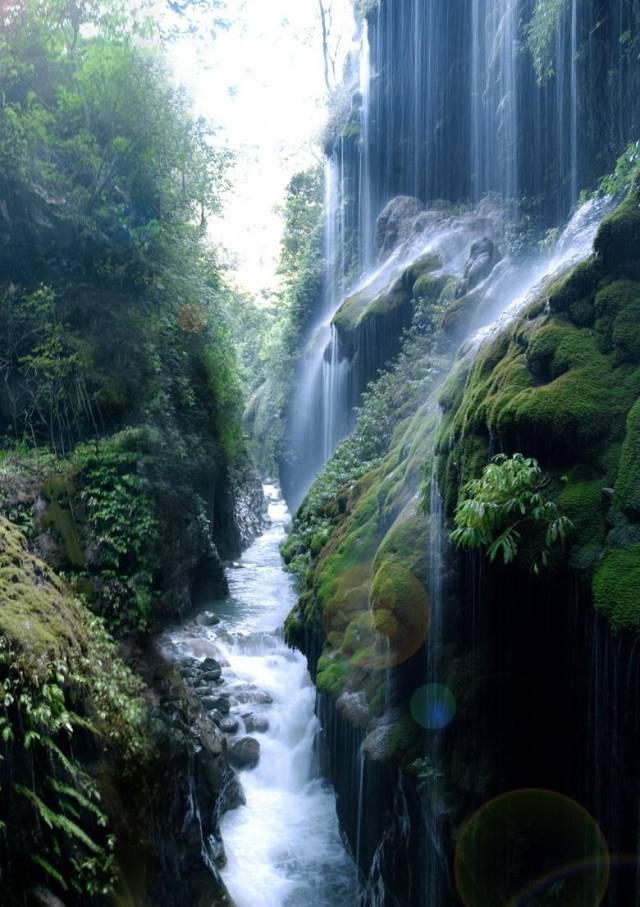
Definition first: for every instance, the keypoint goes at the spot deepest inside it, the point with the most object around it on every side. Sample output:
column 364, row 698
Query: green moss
column 583, row 502
column 627, row 489
column 618, row 241
column 422, row 268
column 552, row 386
column 60, row 492
column 578, row 286
column 617, row 310
column 616, row 588
column 460, row 313
column 332, row 673
column 37, row 617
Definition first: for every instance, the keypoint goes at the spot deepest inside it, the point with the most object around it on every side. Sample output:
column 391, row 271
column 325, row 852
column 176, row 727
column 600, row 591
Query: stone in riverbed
column 229, row 725
column 253, row 694
column 255, row 724
column 244, row 752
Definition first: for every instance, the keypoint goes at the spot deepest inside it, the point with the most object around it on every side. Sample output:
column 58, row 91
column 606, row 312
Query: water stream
column 283, row 846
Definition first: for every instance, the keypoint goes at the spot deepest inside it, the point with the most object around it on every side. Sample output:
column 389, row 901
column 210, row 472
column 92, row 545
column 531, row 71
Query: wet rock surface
column 244, row 752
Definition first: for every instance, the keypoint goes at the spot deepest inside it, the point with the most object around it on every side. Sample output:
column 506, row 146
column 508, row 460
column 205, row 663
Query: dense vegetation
column 118, row 318
column 121, row 395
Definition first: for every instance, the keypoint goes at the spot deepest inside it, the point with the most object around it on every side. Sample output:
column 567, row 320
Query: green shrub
column 507, row 506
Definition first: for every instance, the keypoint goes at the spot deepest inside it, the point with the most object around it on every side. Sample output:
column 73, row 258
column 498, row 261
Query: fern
column 50, row 870
column 54, row 820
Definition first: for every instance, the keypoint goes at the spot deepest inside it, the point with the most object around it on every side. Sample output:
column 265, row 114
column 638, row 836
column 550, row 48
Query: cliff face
column 539, row 678
column 110, row 781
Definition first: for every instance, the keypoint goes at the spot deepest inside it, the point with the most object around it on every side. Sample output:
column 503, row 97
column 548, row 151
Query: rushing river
column 283, row 846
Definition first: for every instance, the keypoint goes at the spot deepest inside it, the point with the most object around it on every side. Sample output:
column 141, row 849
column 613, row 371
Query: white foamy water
column 283, row 847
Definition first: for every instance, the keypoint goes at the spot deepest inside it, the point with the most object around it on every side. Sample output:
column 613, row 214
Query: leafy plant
column 507, row 507
column 541, row 35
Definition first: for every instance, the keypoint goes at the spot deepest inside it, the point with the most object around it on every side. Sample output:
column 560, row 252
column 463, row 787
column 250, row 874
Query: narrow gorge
column 320, row 453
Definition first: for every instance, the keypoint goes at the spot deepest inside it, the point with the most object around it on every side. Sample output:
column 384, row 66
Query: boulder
column 253, row 694
column 229, row 725
column 255, row 724
column 244, row 753
column 396, row 224
column 483, row 257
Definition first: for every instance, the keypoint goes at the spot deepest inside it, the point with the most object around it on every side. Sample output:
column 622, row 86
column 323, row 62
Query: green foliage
column 620, row 181
column 125, row 529
column 507, row 505
column 541, row 35
column 109, row 181
column 63, row 688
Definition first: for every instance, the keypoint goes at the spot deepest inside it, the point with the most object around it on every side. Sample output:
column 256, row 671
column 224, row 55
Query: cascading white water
column 494, row 96
column 513, row 285
column 367, row 215
column 283, row 847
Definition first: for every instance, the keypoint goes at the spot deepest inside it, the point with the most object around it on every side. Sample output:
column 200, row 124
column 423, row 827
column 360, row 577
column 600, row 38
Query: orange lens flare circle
column 531, row 847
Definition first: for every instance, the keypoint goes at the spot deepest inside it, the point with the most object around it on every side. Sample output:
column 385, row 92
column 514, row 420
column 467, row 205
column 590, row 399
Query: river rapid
column 283, row 845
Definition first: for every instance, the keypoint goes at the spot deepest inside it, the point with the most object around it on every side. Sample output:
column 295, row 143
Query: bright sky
column 261, row 81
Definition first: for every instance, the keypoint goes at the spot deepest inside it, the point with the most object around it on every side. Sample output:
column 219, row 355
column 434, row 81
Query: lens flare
column 433, row 706
column 532, row 847
column 377, row 625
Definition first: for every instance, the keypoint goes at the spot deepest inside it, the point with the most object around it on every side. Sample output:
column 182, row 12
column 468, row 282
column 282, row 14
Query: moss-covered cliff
column 560, row 383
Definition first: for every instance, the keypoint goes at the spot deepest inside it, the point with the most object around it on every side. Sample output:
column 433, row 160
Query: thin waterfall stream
column 283, row 846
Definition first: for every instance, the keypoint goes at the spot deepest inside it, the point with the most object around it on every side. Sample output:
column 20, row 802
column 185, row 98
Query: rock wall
column 543, row 682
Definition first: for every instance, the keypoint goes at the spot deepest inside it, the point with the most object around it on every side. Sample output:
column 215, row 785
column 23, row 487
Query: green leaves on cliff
column 541, row 33
column 506, row 511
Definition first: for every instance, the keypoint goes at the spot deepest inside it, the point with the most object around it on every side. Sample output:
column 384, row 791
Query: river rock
column 232, row 794
column 244, row 752
column 229, row 725
column 210, row 664
column 255, row 724
column 253, row 695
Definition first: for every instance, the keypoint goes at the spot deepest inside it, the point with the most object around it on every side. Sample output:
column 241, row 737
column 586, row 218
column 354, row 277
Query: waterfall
column 318, row 420
column 436, row 870
column 367, row 215
column 575, row 188
column 494, row 94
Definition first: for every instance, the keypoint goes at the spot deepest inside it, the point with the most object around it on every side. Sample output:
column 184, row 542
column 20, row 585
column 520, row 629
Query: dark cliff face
column 425, row 95
column 166, row 820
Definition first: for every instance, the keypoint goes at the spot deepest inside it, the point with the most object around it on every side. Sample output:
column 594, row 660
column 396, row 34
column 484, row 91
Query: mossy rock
column 616, row 588
column 428, row 288
column 60, row 492
column 422, row 267
column 390, row 307
column 618, row 241
column 627, row 488
column 332, row 673
column 41, row 622
column 577, row 287
column 583, row 501
column 617, row 311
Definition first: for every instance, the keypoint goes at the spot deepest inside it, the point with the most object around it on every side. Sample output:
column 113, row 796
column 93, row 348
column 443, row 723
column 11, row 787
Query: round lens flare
column 532, row 847
column 378, row 622
column 433, row 706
